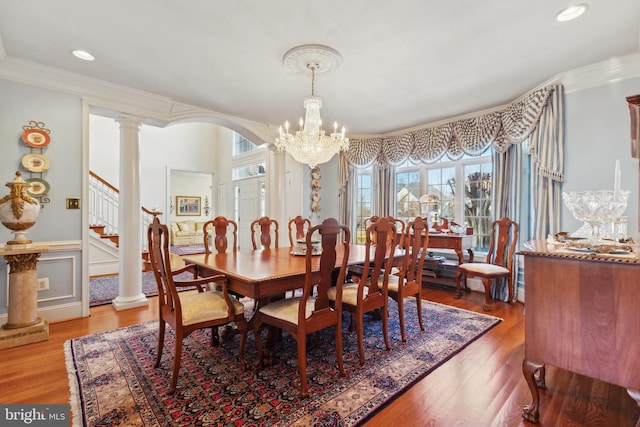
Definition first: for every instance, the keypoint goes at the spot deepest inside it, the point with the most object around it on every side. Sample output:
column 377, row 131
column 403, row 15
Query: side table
column 24, row 325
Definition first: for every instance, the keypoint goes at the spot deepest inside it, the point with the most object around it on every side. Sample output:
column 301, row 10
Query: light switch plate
column 73, row 203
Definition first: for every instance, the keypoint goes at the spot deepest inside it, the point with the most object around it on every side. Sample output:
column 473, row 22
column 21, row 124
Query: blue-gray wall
column 62, row 114
column 597, row 133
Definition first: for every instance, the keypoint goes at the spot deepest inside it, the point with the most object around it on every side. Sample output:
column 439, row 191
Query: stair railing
column 104, row 205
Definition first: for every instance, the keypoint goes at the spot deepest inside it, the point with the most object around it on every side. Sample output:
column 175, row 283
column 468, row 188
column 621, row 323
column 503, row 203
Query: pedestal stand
column 23, row 326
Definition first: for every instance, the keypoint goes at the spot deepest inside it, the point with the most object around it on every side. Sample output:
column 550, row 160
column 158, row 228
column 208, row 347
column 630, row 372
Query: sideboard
column 582, row 315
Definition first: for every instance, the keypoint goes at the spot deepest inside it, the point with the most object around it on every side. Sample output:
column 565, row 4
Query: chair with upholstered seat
column 265, row 226
column 498, row 264
column 408, row 280
column 220, row 226
column 188, row 311
column 298, row 228
column 310, row 312
column 369, row 291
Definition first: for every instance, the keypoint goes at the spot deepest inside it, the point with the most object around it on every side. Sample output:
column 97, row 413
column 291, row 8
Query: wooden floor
column 481, row 386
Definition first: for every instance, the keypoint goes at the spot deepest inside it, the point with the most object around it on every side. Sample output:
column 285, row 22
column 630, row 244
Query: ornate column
column 129, row 213
column 278, row 192
column 24, row 325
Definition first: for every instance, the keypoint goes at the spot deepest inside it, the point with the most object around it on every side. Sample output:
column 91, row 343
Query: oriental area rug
column 113, row 382
column 104, row 289
column 187, row 249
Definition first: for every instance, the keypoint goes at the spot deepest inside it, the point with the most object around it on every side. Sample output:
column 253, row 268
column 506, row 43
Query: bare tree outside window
column 477, row 202
column 363, row 205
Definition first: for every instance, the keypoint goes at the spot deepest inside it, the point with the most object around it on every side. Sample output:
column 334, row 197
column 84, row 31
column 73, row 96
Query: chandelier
column 310, row 144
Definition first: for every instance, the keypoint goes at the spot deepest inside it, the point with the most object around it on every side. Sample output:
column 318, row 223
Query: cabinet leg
column 635, row 395
column 529, row 368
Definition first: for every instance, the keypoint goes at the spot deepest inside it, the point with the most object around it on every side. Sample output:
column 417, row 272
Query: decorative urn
column 18, row 210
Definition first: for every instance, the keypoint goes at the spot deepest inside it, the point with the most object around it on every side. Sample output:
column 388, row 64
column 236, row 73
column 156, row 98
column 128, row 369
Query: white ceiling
column 405, row 62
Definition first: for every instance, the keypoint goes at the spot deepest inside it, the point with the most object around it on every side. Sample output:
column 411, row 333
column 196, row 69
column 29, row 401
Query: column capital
column 274, row 149
column 19, row 263
column 129, row 120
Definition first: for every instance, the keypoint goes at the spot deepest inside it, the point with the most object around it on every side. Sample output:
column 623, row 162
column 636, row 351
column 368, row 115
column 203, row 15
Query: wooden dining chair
column 400, row 226
column 408, row 280
column 310, row 312
column 265, row 226
column 298, row 228
column 498, row 264
column 220, row 226
column 369, row 291
column 189, row 311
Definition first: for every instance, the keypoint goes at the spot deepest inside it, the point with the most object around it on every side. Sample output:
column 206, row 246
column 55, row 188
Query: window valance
column 468, row 136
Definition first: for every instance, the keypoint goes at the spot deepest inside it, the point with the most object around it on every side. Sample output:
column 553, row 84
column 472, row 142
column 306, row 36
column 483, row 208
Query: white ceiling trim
column 105, row 97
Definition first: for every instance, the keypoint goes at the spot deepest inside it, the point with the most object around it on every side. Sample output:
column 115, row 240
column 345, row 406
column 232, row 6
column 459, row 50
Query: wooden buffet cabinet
column 582, row 315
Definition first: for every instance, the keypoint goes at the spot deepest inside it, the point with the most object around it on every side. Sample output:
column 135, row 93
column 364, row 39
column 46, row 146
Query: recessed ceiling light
column 83, row 54
column 571, row 13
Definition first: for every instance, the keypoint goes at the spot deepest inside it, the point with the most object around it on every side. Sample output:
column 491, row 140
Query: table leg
column 460, row 256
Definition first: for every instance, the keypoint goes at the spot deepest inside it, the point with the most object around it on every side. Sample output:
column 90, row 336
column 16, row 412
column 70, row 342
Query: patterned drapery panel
column 472, row 136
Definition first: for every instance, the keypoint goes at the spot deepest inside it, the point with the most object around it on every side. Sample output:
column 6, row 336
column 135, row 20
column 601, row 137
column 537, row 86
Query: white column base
column 132, row 302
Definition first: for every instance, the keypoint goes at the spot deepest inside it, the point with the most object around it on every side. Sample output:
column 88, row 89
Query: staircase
column 103, row 216
column 99, row 229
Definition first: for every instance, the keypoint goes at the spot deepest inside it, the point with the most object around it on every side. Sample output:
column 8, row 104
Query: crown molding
column 109, row 99
column 601, row 73
column 612, row 70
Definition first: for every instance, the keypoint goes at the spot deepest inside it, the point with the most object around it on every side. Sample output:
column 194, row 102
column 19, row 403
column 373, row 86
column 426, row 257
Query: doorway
column 250, row 203
column 194, row 184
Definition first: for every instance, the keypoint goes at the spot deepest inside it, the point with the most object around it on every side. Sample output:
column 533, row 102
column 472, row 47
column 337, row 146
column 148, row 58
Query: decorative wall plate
column 35, row 162
column 38, row 187
column 315, row 174
column 315, row 184
column 315, row 196
column 36, row 138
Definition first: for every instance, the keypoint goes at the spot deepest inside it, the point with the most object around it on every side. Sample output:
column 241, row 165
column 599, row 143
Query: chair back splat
column 264, row 225
column 311, row 311
column 220, row 226
column 298, row 228
column 400, row 226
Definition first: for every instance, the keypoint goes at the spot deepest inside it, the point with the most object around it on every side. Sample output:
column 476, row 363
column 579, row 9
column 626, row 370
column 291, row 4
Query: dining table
column 264, row 273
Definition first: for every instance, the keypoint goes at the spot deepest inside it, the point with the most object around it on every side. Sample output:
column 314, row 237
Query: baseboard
column 55, row 314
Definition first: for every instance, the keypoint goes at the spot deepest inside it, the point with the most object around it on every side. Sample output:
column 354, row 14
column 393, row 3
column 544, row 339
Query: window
column 462, row 190
column 242, row 144
column 248, row 171
column 478, row 211
column 408, row 194
column 364, row 206
column 441, row 182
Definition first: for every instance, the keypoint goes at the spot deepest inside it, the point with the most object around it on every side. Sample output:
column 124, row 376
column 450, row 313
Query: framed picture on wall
column 188, row 205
